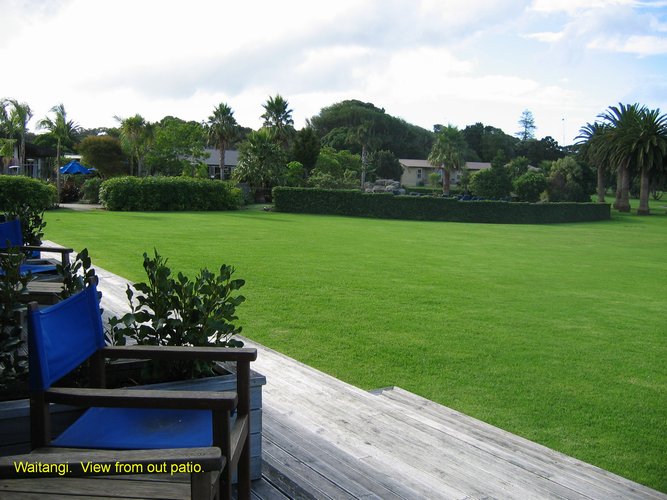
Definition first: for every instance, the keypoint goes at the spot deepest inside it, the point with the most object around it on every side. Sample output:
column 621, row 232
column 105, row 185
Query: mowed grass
column 557, row 333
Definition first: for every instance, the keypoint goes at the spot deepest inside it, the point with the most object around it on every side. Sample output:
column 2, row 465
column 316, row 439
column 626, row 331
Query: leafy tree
column 337, row 163
column 16, row 123
column 177, row 147
column 306, row 148
column 594, row 148
column 222, row 130
column 363, row 135
column 447, row 153
column 296, row 174
column 63, row 130
column 278, row 119
column 517, row 167
column 262, row 162
column 105, row 154
column 385, row 165
column 529, row 186
column 485, row 141
column 567, row 181
column 136, row 135
column 536, row 151
column 527, row 124
column 334, row 122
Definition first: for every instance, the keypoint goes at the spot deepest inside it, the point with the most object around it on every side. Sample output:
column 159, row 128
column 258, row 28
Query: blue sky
column 428, row 61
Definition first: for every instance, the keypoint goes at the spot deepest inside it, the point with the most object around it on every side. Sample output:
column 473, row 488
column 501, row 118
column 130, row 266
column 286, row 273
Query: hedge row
column 148, row 194
column 19, row 191
column 388, row 206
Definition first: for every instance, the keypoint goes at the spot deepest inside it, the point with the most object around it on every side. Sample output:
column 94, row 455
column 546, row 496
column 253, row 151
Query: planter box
column 15, row 415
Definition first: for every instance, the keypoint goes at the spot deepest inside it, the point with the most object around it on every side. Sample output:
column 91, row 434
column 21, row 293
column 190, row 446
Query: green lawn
column 554, row 332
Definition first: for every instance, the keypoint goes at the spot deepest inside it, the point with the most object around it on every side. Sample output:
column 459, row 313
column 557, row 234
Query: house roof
column 409, row 163
column 477, row 165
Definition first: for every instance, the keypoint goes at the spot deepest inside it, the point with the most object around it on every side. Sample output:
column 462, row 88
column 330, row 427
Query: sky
column 427, row 61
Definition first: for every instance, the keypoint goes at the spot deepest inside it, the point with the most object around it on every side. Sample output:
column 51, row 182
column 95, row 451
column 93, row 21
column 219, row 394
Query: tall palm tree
column 17, row 123
column 623, row 121
column 222, row 129
column 364, row 136
column 63, row 130
column 447, row 153
column 595, row 149
column 136, row 135
column 648, row 151
column 278, row 119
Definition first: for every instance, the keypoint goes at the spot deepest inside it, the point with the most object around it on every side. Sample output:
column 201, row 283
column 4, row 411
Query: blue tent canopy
column 74, row 167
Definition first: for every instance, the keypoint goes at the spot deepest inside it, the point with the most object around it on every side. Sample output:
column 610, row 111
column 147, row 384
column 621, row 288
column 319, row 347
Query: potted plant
column 179, row 311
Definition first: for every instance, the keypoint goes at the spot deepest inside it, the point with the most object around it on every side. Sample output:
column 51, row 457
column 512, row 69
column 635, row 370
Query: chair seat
column 136, row 428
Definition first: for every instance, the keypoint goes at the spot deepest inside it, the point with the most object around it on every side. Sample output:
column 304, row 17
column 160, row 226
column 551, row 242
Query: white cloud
column 546, row 36
column 635, row 44
column 573, row 6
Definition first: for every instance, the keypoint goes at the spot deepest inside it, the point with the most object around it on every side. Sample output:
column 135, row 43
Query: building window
column 419, row 173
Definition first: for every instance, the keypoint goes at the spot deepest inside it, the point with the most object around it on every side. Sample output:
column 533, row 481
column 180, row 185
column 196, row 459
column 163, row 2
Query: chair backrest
column 63, row 336
column 10, row 232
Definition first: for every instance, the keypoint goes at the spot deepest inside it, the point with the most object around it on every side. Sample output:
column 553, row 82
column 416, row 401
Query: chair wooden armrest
column 243, row 354
column 63, row 251
column 130, row 398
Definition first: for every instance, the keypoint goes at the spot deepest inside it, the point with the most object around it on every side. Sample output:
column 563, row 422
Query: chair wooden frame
column 231, row 439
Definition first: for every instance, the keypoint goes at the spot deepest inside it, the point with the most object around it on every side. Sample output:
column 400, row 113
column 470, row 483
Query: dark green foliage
column 387, row 206
column 569, row 181
column 306, row 148
column 105, row 154
column 27, row 198
column 181, row 312
column 91, row 190
column 176, row 147
column 493, row 182
column 70, row 192
column 545, row 149
column 530, row 186
column 13, row 363
column 335, row 122
column 485, row 141
column 168, row 194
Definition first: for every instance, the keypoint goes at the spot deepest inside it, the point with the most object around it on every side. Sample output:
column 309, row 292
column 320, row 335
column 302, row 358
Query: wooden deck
column 323, row 438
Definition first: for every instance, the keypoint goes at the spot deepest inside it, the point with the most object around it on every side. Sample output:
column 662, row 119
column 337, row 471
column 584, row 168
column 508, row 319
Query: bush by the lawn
column 20, row 191
column 388, row 206
column 168, row 194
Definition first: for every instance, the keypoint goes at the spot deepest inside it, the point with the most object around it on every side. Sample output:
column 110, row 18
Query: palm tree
column 63, row 130
column 364, row 136
column 447, row 153
column 136, row 135
column 648, row 151
column 17, row 123
column 222, row 129
column 595, row 149
column 278, row 119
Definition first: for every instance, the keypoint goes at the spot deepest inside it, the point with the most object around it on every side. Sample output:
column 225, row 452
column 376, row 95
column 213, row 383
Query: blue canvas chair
column 11, row 235
column 63, row 336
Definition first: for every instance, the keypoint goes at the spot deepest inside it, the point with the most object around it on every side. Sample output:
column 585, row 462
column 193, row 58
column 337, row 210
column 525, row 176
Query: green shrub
column 178, row 311
column 388, row 206
column 91, row 190
column 27, row 198
column 168, row 194
column 529, row 186
column 493, row 182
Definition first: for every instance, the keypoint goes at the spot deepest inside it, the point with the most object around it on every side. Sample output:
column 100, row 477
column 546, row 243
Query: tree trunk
column 58, row 170
column 624, row 202
column 602, row 185
column 643, row 194
column 222, row 162
column 619, row 184
column 446, row 182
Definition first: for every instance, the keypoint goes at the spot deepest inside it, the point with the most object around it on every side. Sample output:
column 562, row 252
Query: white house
column 416, row 172
column 213, row 162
